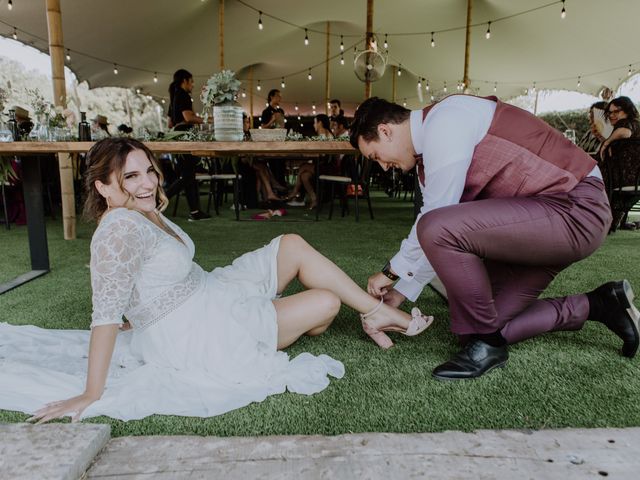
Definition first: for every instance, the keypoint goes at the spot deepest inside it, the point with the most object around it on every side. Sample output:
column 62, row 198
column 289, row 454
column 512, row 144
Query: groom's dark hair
column 372, row 113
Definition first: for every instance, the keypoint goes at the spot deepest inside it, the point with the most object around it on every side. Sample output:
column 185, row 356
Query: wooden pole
column 221, row 32
column 369, row 39
column 327, row 78
column 65, row 161
column 394, row 74
column 251, row 94
column 467, row 48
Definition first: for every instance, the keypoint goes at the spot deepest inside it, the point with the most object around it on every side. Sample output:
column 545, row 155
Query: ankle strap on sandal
column 375, row 309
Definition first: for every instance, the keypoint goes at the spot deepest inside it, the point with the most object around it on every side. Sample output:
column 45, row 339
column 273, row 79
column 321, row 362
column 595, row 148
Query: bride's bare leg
column 309, row 312
column 296, row 258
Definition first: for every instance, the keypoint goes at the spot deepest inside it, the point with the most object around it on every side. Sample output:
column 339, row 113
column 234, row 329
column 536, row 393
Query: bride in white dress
column 201, row 343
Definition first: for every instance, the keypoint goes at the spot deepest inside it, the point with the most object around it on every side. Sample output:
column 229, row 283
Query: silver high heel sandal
column 418, row 324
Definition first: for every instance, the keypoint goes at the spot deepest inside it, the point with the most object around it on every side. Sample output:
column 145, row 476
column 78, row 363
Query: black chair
column 217, row 180
column 622, row 175
column 354, row 182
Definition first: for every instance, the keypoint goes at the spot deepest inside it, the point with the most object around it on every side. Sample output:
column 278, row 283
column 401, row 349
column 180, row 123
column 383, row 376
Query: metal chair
column 356, row 173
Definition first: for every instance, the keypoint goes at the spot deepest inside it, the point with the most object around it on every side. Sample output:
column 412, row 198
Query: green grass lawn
column 573, row 379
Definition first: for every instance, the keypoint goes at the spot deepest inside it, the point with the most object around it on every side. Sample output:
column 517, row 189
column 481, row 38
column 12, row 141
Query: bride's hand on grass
column 75, row 405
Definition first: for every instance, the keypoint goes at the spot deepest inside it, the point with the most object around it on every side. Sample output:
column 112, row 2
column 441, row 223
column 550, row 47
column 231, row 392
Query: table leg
column 36, row 228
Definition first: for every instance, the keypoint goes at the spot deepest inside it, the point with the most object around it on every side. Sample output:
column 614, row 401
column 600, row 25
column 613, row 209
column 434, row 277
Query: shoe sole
column 453, row 379
column 626, row 296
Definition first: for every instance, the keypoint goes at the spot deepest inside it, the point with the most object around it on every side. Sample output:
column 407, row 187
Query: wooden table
column 30, row 153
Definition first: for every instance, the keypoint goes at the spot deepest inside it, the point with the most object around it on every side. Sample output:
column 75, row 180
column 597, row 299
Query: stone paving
column 62, row 451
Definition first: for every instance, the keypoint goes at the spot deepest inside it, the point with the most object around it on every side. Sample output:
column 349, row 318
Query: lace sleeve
column 117, row 250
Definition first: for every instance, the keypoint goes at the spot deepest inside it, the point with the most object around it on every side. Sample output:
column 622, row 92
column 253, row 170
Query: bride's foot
column 384, row 318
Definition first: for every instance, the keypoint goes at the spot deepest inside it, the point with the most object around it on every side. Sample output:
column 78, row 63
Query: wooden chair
column 622, row 177
column 356, row 172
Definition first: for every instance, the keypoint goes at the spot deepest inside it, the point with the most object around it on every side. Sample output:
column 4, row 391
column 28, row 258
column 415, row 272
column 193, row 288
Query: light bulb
column 427, row 87
column 10, row 5
column 488, row 34
column 386, row 44
column 244, row 94
column 309, row 75
column 138, row 91
column 68, row 55
column 419, row 83
column 296, row 107
column 163, row 101
column 258, row 87
column 15, row 33
column 404, row 104
column 341, row 60
column 115, row 69
column 399, row 70
column 445, row 87
column 155, row 77
column 563, row 12
column 579, row 82
column 306, row 37
column 629, row 72
column 260, row 26
column 433, row 41
column 341, row 44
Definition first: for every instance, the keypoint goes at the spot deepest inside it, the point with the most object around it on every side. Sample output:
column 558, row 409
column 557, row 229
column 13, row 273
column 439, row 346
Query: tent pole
column 221, row 32
column 251, row 94
column 467, row 49
column 65, row 163
column 327, row 78
column 369, row 39
column 394, row 74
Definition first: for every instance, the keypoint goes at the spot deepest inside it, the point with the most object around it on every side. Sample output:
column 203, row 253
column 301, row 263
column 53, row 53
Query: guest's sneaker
column 612, row 304
column 195, row 216
column 475, row 359
column 296, row 203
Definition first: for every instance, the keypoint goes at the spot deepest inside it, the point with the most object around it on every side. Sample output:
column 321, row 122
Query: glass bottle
column 84, row 130
column 12, row 123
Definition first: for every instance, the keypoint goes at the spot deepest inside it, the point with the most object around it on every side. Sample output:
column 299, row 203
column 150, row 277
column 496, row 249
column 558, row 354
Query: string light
column 488, row 34
column 10, row 5
column 306, row 37
column 386, row 44
column 495, row 87
column 282, row 84
column 579, row 81
column 296, row 107
column 400, row 70
column 244, row 93
column 258, row 87
column 309, row 75
column 341, row 44
column 15, row 33
column 419, row 83
column 563, row 12
column 533, row 88
column 404, row 103
column 341, row 59
column 115, row 69
column 629, row 72
column 427, row 87
column 138, row 91
column 432, row 98
column 155, row 77
column 260, row 26
column 433, row 41
column 163, row 101
column 68, row 56
column 313, row 106
column 445, row 87
column 299, row 117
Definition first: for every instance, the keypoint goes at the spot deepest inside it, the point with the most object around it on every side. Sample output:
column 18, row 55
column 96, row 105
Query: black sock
column 494, row 339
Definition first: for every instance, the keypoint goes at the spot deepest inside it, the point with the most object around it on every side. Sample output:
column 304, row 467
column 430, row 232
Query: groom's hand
column 378, row 283
column 394, row 298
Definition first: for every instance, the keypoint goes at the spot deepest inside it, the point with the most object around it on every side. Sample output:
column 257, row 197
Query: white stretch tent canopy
column 595, row 44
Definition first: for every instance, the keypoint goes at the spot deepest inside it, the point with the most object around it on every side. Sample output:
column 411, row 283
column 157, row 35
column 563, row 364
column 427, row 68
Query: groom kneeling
column 508, row 204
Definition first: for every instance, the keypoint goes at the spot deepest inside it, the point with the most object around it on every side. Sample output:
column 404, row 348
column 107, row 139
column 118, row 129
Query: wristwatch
column 386, row 271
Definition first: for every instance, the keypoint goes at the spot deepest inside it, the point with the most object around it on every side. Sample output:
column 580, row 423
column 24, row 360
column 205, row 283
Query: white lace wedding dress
column 201, row 344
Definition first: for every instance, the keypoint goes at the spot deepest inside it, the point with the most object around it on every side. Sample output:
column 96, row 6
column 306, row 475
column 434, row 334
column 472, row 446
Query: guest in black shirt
column 273, row 117
column 182, row 117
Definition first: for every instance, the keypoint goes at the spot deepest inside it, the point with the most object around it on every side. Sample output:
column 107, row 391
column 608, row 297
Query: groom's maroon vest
column 522, row 156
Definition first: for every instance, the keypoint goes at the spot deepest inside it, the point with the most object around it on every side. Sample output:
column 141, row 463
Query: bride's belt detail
column 152, row 311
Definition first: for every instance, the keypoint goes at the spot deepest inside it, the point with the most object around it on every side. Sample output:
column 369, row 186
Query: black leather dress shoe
column 475, row 359
column 612, row 304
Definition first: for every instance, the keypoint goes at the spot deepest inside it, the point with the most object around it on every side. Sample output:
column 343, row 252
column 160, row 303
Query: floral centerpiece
column 221, row 91
column 220, row 88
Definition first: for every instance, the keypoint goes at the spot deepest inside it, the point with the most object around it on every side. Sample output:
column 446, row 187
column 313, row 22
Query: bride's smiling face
column 139, row 184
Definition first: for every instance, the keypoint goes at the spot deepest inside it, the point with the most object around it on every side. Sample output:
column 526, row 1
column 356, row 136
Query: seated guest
column 307, row 170
column 340, row 127
column 623, row 116
column 273, row 117
column 335, row 109
column 599, row 127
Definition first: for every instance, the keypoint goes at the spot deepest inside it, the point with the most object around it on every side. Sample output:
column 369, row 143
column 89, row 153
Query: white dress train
column 202, row 343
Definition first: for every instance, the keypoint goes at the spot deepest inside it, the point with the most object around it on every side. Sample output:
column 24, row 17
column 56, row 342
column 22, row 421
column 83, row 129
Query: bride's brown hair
column 107, row 156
